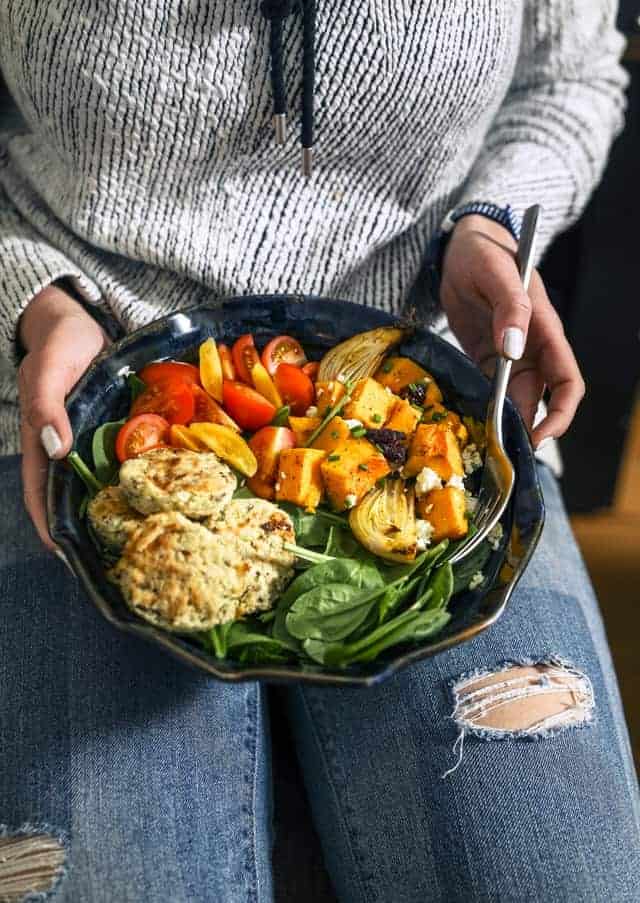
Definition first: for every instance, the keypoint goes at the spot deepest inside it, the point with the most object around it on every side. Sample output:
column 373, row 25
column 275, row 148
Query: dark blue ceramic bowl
column 103, row 395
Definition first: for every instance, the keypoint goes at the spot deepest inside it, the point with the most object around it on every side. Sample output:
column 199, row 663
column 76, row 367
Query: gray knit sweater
column 147, row 171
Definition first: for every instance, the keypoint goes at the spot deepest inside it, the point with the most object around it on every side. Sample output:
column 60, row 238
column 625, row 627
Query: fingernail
column 51, row 441
column 63, row 558
column 544, row 443
column 513, row 343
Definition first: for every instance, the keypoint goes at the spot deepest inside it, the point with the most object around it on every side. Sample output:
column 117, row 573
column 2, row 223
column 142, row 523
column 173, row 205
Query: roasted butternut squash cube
column 328, row 394
column 398, row 372
column 303, row 427
column 445, row 510
column 350, row 471
column 299, row 477
column 370, row 403
column 437, row 413
column 335, row 433
column 404, row 417
column 262, row 488
column 434, row 445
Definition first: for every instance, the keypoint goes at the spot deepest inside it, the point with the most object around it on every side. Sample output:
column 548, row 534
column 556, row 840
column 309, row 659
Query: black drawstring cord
column 308, row 81
column 276, row 11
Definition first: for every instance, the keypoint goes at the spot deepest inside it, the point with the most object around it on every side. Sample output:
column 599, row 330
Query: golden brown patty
column 258, row 530
column 196, row 484
column 177, row 574
column 112, row 517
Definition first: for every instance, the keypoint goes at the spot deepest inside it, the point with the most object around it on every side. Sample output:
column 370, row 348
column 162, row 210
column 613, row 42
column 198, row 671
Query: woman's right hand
column 61, row 339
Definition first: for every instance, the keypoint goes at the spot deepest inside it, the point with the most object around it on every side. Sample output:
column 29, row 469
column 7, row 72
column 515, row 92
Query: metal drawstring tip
column 307, row 160
column 280, row 125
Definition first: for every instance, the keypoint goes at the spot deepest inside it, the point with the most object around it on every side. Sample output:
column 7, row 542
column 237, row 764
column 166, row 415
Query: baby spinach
column 467, row 567
column 136, row 386
column 103, row 450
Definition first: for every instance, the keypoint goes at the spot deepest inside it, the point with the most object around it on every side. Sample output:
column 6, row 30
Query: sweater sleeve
column 28, row 264
column 550, row 139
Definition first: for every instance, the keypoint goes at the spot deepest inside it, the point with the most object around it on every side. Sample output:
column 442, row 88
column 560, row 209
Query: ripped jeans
column 125, row 777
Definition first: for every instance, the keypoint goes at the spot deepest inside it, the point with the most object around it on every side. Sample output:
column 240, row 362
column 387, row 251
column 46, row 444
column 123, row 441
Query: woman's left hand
column 488, row 309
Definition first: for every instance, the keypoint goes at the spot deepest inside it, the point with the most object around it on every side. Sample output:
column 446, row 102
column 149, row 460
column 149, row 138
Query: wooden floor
column 610, row 543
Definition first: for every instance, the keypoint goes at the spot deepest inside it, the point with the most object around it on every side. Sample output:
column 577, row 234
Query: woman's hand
column 61, row 340
column 488, row 309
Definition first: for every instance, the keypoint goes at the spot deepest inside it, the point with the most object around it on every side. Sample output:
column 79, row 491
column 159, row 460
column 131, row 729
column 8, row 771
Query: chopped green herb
column 377, row 418
column 334, row 434
column 281, row 416
column 333, row 458
column 362, row 467
column 387, row 367
column 437, row 416
column 380, row 482
column 358, row 432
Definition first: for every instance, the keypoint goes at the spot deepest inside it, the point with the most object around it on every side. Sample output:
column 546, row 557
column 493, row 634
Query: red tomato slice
column 207, row 410
column 311, row 369
column 266, row 445
column 247, row 407
column 171, row 399
column 244, row 356
column 295, row 387
column 283, row 349
column 228, row 370
column 141, row 434
column 161, row 371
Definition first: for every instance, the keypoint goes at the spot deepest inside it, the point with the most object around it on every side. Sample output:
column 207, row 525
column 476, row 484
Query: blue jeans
column 156, row 780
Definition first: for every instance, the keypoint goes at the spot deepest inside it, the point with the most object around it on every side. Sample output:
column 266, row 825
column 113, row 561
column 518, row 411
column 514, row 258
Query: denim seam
column 487, row 733
column 61, row 837
column 331, row 767
column 252, row 733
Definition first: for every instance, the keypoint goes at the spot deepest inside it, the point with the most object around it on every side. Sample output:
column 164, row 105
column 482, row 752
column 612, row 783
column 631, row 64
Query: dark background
column 592, row 274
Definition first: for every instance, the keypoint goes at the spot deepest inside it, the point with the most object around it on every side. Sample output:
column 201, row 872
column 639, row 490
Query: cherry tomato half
column 247, row 407
column 283, row 349
column 141, row 434
column 161, row 371
column 244, row 356
column 228, row 370
column 207, row 410
column 311, row 369
column 295, row 387
column 171, row 399
column 266, row 445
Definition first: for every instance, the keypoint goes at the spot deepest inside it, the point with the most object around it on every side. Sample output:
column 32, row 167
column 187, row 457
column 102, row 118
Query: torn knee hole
column 29, row 864
column 524, row 699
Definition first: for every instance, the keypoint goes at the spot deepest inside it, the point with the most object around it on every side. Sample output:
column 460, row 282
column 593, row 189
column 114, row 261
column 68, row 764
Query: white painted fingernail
column 51, row 441
column 63, row 558
column 544, row 443
column 513, row 343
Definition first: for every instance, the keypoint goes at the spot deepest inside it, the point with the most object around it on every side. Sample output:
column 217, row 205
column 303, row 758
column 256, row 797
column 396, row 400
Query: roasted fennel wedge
column 384, row 522
column 360, row 355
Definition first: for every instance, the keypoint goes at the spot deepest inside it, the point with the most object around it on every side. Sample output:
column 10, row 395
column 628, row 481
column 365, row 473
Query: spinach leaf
column 92, row 484
column 136, row 386
column 103, row 450
column 312, row 529
column 215, row 640
column 243, row 492
column 329, row 612
column 341, row 543
column 465, row 569
column 441, row 586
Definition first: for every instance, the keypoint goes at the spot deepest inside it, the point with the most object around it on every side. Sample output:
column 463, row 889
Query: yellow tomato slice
column 227, row 445
column 182, row 437
column 211, row 369
column 265, row 385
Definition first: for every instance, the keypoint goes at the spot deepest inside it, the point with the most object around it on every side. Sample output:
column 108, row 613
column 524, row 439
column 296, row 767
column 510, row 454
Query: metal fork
column 498, row 475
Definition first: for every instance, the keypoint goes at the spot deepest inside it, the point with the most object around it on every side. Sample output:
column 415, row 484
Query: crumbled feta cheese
column 342, row 377
column 353, row 424
column 471, row 458
column 424, row 532
column 456, row 482
column 350, row 500
column 471, row 502
column 124, row 371
column 427, row 480
column 277, row 487
column 283, row 475
column 312, row 411
column 477, row 580
column 494, row 536
column 388, row 389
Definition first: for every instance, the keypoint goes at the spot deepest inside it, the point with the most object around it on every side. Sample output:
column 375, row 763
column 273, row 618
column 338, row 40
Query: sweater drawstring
column 276, row 11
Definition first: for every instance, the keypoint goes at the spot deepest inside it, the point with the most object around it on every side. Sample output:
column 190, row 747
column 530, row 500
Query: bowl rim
column 494, row 600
